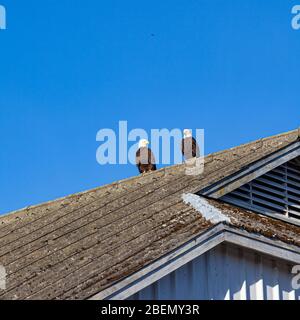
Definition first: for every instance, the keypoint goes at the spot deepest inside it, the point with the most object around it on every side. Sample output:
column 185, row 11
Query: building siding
column 226, row 272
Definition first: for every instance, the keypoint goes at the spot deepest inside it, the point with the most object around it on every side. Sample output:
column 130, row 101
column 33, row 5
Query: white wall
column 226, row 272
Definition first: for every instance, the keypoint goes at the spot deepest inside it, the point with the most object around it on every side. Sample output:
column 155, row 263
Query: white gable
column 276, row 192
column 226, row 272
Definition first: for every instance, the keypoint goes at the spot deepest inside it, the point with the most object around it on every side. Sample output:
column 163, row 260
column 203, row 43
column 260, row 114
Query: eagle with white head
column 145, row 160
column 189, row 146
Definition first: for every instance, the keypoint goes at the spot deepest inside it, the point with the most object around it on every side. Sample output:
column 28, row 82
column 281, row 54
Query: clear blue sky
column 69, row 68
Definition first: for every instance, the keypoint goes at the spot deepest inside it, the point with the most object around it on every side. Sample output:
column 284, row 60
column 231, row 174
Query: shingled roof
column 75, row 247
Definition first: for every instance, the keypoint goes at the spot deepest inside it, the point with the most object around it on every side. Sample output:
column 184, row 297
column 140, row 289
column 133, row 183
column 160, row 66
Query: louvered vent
column 276, row 192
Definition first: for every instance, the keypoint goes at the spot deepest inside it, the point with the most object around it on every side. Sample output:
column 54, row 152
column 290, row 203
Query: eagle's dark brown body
column 189, row 148
column 145, row 160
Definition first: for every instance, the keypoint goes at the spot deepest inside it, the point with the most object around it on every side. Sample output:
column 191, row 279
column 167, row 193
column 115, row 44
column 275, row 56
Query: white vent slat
column 292, row 172
column 295, row 206
column 261, row 209
column 293, row 190
column 245, row 188
column 295, row 213
column 293, row 183
column 267, row 196
column 293, row 168
column 242, row 195
column 266, row 181
column 291, row 197
column 275, row 177
column 264, row 188
column 294, row 176
column 279, row 186
column 268, row 204
column 280, row 170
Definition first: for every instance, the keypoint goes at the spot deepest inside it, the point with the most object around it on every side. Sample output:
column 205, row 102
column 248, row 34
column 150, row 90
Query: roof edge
column 192, row 249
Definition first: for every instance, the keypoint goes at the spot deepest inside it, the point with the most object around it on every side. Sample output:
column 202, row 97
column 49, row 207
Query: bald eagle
column 189, row 146
column 145, row 160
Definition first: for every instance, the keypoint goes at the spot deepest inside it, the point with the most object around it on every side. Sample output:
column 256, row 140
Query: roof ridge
column 258, row 140
column 167, row 168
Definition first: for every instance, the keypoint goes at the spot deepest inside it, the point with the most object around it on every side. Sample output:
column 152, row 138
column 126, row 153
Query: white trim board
column 191, row 250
